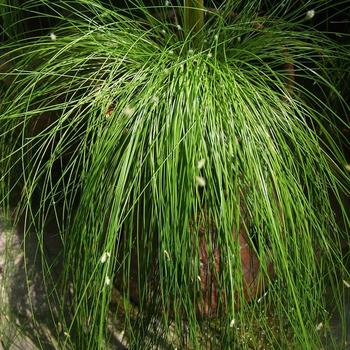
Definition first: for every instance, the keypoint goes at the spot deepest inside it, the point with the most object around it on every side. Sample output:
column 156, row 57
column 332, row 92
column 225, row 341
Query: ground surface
column 18, row 329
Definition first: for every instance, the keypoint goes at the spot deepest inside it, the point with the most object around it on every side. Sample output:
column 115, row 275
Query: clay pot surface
column 254, row 281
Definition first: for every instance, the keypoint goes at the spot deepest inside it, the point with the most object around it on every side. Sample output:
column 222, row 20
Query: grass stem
column 193, row 17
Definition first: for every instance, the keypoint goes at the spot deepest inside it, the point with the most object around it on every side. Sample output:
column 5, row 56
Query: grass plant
column 132, row 132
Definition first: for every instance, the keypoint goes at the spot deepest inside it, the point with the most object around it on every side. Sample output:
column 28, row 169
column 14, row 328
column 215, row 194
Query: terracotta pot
column 254, row 281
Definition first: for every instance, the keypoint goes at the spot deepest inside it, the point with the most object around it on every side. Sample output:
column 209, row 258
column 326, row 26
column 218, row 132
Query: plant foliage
column 142, row 141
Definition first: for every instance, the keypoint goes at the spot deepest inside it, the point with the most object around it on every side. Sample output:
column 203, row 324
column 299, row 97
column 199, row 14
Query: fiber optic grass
column 142, row 147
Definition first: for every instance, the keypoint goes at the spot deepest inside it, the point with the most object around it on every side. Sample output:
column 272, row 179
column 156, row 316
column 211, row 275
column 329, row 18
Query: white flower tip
column 171, row 52
column 107, row 281
column 71, row 289
column 190, row 51
column 199, row 278
column 232, row 323
column 210, row 55
column 200, row 181
column 128, row 111
column 167, row 254
column 216, row 37
column 310, row 14
column 163, row 31
column 53, row 36
column 262, row 297
column 319, row 326
column 347, row 167
column 59, row 327
column 167, row 3
column 201, row 164
column 105, row 256
column 178, row 27
column 346, row 284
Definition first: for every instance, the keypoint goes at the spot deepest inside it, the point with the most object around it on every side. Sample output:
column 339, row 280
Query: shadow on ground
column 23, row 292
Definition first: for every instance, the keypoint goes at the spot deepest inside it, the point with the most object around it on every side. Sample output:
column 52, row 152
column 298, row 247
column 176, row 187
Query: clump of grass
column 132, row 139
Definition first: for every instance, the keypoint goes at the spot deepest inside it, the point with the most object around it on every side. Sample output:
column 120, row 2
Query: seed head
column 128, row 111
column 200, row 181
column 310, row 14
column 319, row 326
column 107, row 281
column 104, row 257
column 155, row 100
column 201, row 164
